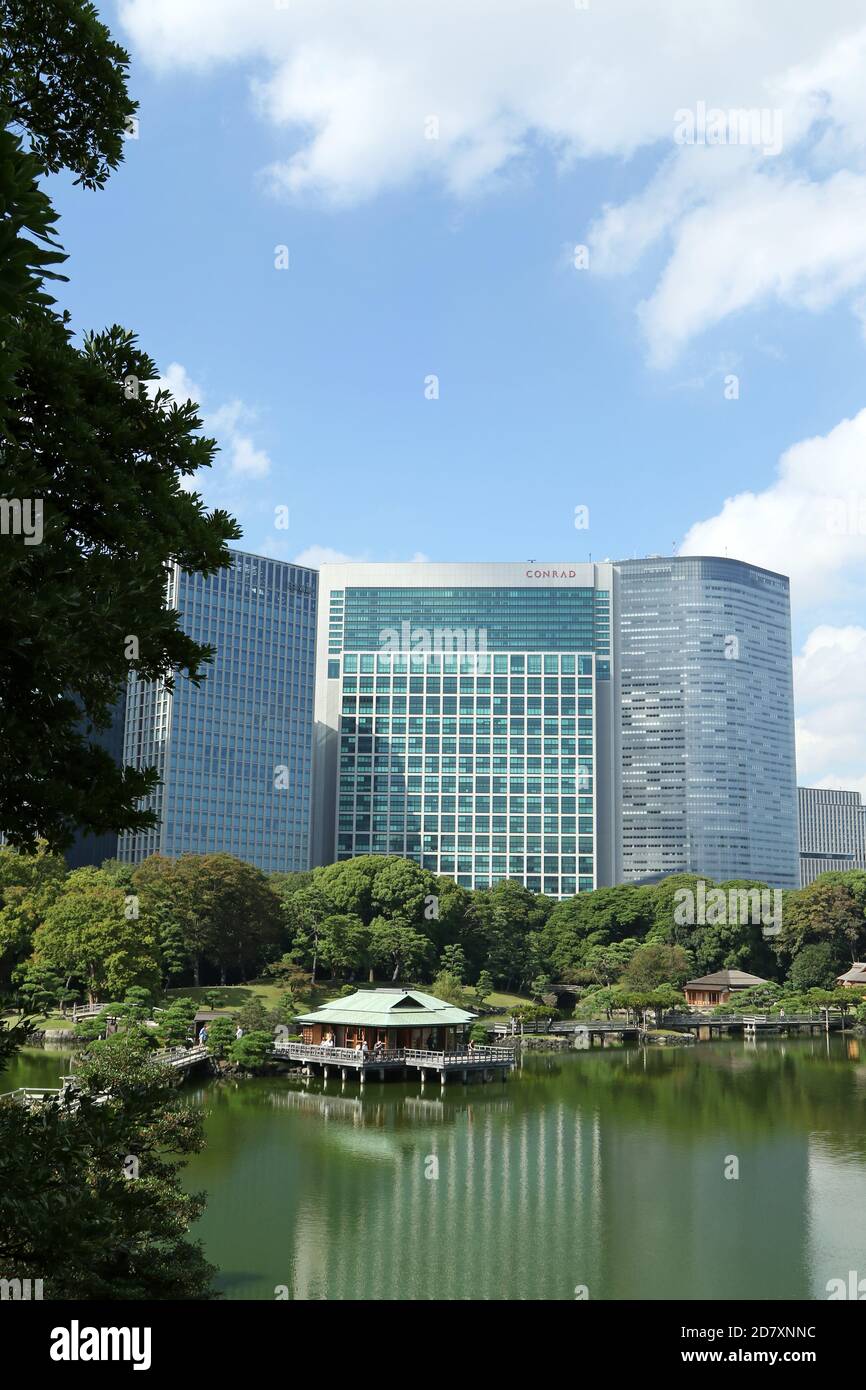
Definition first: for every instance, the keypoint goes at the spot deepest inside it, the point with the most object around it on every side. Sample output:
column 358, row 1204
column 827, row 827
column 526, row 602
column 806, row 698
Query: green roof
column 389, row 1008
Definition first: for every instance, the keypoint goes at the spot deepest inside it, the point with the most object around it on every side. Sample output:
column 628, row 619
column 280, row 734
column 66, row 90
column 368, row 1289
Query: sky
column 441, row 274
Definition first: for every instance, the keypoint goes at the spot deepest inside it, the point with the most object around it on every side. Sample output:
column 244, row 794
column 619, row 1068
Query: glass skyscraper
column 832, row 832
column 703, row 662
column 464, row 720
column 235, row 754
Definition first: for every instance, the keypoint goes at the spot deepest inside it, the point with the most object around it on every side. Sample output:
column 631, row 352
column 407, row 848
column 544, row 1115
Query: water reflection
column 602, row 1168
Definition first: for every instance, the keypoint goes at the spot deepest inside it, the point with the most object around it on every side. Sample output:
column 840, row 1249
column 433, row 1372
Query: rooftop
column 727, row 979
column 389, row 1008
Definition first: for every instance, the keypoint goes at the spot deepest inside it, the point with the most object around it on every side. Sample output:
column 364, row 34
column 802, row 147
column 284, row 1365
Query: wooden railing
column 459, row 1055
column 170, row 1056
column 318, row 1052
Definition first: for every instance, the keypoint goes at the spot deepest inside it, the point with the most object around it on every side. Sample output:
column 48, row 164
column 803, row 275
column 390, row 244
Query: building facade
column 95, row 849
column 234, row 755
column 703, row 660
column 464, row 719
column 832, row 832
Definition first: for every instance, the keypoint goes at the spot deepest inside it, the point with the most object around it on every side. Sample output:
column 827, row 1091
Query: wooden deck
column 479, row 1063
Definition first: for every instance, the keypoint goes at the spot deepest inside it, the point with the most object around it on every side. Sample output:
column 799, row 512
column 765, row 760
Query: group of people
column 363, row 1047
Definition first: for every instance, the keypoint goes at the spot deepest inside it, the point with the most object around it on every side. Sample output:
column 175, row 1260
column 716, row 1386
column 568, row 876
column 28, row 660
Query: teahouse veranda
column 396, row 1017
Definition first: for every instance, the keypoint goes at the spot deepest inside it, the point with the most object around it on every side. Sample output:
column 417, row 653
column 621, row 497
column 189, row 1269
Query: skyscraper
column 832, row 832
column 235, row 754
column 703, row 657
column 464, row 718
column 95, row 849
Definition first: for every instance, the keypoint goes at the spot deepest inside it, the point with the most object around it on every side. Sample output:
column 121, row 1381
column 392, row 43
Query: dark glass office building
column 235, row 754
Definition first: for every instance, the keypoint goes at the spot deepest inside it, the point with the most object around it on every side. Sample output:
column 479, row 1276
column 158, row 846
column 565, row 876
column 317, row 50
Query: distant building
column 234, row 755
column 832, row 832
column 711, row 990
column 465, row 718
column 702, row 653
column 855, row 977
column 95, row 849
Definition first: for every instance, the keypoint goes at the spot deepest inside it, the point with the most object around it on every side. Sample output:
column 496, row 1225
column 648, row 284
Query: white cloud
column 317, row 555
column 353, row 86
column 830, row 695
column 810, row 523
column 239, row 457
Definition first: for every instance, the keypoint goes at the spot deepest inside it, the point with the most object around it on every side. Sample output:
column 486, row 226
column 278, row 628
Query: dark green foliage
column 84, row 445
column 63, row 81
column 68, row 1213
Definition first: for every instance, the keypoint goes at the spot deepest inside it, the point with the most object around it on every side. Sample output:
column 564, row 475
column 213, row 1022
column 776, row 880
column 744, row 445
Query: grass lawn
column 268, row 993
column 234, row 997
column 41, row 1020
column 498, row 1000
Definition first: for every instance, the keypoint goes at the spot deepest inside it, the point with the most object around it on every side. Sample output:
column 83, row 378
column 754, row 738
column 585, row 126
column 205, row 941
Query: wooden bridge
column 751, row 1025
column 480, row 1063
column 180, row 1058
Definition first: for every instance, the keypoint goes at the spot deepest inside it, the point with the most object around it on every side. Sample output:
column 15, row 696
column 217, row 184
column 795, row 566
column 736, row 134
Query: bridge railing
column 80, row 1011
column 27, row 1093
column 170, row 1055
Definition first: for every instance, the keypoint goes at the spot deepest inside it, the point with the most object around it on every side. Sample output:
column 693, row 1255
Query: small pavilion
column 398, row 1018
column 719, row 988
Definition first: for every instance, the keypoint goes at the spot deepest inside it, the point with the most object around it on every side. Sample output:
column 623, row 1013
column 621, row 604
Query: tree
column 84, row 441
column 656, row 964
column 91, row 1232
column 599, row 919
column 814, row 967
column 176, row 1022
column 343, row 941
column 87, row 936
column 252, row 1050
column 153, row 883
column 253, row 1016
column 398, row 946
column 605, row 964
column 453, row 959
column 483, row 987
column 826, row 912
column 303, row 914
column 348, row 885
column 220, row 1037
column 447, row 986
column 42, row 988
column 509, row 918
column 57, row 57
column 29, row 883
column 227, row 911
column 400, row 889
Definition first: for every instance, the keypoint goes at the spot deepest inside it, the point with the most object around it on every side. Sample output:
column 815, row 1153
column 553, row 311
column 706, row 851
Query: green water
column 603, row 1169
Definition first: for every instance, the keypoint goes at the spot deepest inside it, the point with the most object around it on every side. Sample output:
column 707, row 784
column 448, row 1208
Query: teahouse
column 853, row 978
column 396, row 1017
column 710, row 990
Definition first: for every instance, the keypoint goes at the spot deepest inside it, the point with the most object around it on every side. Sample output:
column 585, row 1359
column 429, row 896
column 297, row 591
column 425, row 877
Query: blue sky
column 558, row 386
